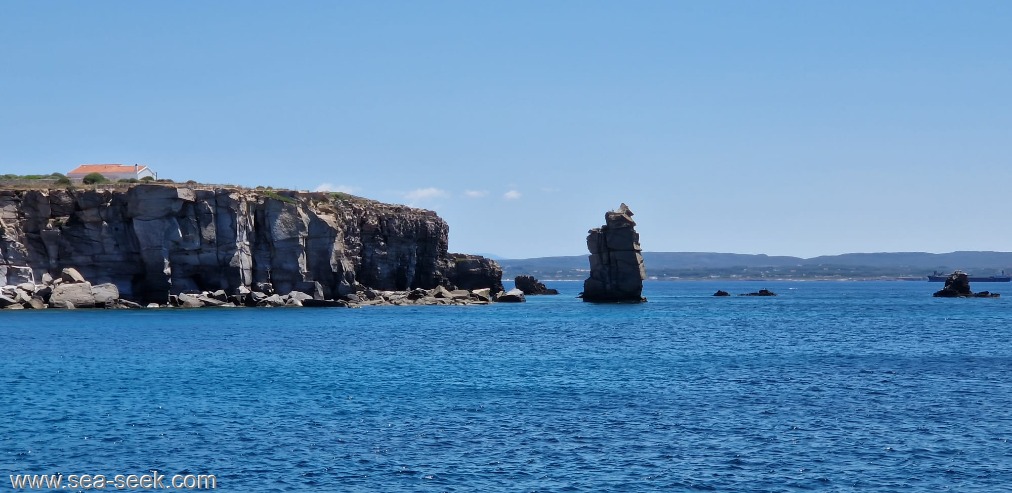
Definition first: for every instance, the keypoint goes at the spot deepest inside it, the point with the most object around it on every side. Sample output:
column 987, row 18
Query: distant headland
column 154, row 240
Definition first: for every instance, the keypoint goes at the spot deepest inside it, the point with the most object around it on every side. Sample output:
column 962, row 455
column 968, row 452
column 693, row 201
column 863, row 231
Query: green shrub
column 148, row 178
column 94, row 178
column 63, row 180
column 276, row 196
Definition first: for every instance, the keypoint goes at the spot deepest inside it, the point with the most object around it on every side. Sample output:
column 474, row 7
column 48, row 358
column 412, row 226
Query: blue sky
column 786, row 128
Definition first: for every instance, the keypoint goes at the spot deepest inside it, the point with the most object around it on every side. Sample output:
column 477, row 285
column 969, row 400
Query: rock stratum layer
column 616, row 262
column 151, row 241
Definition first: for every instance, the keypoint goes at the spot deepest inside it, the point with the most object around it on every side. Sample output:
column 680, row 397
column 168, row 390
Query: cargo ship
column 939, row 277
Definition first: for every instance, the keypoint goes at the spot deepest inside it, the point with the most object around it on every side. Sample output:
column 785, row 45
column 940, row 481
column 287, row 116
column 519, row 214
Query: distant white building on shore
column 112, row 172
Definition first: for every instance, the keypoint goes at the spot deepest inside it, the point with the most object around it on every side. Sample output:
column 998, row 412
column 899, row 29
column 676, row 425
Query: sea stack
column 616, row 264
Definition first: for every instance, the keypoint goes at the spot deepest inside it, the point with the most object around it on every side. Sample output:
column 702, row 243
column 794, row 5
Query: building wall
column 141, row 173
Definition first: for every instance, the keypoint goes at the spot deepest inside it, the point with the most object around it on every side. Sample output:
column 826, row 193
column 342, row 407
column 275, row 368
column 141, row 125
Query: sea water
column 830, row 386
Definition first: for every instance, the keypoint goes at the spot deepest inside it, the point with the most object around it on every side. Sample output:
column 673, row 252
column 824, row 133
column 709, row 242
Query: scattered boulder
column 325, row 303
column 71, row 275
column 441, row 292
column 129, row 304
column 76, row 295
column 273, row 300
column 22, row 297
column 511, row 296
column 616, row 264
column 44, row 292
column 721, row 292
column 417, row 294
column 761, row 292
column 482, row 295
column 67, row 292
column 299, row 296
column 105, row 294
column 531, row 286
column 184, row 300
column 207, row 300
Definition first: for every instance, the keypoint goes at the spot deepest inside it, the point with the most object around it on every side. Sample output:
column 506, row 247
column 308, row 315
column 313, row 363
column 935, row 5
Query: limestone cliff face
column 153, row 240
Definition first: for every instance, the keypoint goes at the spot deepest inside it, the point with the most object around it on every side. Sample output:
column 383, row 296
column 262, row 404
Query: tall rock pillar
column 616, row 264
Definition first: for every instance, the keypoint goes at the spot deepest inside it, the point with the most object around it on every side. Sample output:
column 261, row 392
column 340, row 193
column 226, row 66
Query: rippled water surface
column 856, row 386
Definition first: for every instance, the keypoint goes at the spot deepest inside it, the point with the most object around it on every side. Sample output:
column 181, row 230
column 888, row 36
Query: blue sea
column 830, row 386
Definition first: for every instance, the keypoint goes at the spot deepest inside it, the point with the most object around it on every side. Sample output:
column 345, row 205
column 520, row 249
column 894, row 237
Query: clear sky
column 787, row 128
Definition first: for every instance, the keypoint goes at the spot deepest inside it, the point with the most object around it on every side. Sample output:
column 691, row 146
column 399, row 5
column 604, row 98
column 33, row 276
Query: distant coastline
column 702, row 266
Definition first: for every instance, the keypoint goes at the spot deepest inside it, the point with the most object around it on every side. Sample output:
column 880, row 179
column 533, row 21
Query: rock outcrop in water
column 150, row 241
column 616, row 264
column 474, row 272
column 531, row 286
column 957, row 285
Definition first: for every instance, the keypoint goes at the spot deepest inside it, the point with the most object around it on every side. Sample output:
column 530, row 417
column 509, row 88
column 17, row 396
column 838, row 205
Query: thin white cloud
column 511, row 195
column 475, row 194
column 425, row 194
column 330, row 187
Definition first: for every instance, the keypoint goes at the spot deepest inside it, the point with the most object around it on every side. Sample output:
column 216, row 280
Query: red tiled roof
column 105, row 168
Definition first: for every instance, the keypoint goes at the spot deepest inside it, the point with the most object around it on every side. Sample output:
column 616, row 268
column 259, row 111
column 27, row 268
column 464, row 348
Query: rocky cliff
column 155, row 240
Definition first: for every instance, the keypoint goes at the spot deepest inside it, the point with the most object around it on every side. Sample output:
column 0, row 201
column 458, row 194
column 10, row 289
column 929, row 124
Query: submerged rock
column 721, row 292
column 761, row 292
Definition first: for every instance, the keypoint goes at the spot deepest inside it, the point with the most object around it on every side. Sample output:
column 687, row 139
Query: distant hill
column 706, row 265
